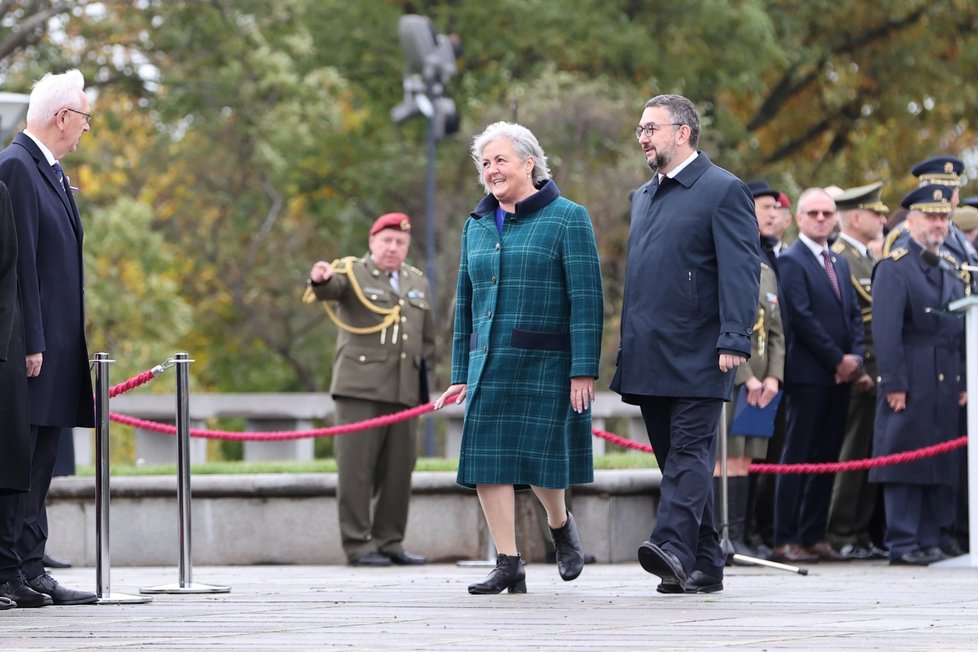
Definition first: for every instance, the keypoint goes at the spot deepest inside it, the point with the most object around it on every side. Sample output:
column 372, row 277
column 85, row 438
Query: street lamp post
column 431, row 63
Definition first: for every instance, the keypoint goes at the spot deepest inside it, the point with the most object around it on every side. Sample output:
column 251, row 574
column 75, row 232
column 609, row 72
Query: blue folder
column 752, row 421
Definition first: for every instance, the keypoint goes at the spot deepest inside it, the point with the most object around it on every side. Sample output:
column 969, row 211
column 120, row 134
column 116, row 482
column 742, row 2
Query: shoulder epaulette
column 414, row 269
column 898, row 253
column 838, row 247
column 342, row 264
column 948, row 257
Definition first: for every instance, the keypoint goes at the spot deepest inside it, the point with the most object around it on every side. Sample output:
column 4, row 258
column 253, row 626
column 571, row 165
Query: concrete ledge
column 292, row 519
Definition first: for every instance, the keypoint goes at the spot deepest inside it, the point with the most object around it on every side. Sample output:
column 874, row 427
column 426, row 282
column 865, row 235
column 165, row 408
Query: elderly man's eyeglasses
column 815, row 214
column 88, row 116
column 649, row 129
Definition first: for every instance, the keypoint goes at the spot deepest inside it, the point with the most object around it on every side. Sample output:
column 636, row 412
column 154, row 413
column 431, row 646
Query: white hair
column 524, row 142
column 52, row 92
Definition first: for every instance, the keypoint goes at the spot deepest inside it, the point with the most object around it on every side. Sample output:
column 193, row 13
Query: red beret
column 399, row 221
column 783, row 200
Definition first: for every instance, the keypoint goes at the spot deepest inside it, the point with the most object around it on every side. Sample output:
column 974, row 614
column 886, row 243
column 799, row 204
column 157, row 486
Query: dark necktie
column 830, row 272
column 60, row 173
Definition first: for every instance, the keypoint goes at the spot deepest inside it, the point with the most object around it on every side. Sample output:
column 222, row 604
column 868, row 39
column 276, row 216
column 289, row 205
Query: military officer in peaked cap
column 385, row 337
column 862, row 215
column 942, row 171
column 919, row 352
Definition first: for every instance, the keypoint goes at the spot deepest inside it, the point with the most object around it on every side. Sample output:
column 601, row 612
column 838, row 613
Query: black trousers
column 913, row 516
column 816, row 427
column 23, row 517
column 683, row 433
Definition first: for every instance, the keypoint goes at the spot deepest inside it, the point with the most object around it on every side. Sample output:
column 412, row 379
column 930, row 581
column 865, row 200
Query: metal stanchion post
column 103, row 567
column 186, row 583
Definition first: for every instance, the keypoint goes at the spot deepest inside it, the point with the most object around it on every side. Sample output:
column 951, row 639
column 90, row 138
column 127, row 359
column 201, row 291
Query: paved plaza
column 855, row 606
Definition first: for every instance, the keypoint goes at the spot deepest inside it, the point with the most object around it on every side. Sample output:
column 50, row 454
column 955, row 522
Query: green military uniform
column 766, row 359
column 853, row 496
column 385, row 336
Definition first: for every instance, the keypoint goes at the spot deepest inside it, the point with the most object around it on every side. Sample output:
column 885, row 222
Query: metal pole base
column 123, row 598
column 192, row 587
column 962, row 561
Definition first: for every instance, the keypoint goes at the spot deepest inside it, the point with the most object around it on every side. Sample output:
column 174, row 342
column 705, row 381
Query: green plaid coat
column 528, row 317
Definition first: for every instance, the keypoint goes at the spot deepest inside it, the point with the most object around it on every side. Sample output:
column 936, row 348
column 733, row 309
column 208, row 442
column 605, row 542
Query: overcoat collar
column 48, row 173
column 547, row 193
column 688, row 175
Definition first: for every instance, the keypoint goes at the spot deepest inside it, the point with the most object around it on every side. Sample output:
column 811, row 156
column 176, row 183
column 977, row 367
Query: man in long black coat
column 690, row 303
column 15, row 456
column 51, row 276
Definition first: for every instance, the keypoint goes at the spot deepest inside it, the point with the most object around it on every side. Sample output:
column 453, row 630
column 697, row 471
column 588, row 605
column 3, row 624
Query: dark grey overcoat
column 528, row 318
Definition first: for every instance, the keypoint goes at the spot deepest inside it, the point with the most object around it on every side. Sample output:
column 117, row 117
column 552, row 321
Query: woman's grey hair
column 683, row 112
column 51, row 93
column 524, row 142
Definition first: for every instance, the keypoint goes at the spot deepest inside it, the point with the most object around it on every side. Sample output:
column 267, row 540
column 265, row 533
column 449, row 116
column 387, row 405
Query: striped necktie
column 830, row 272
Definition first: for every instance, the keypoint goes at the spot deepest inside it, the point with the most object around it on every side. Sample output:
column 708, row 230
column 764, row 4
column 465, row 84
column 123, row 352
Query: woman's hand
column 581, row 393
column 461, row 389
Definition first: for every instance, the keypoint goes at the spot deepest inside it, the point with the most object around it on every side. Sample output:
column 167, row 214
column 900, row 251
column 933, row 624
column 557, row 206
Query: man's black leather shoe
column 371, row 559
column 47, row 585
column 914, row 558
column 666, row 565
column 951, row 548
column 700, row 582
column 6, row 603
column 25, row 597
column 404, row 558
column 54, row 562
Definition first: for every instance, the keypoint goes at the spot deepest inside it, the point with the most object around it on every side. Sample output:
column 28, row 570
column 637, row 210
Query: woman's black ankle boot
column 568, row 550
column 508, row 574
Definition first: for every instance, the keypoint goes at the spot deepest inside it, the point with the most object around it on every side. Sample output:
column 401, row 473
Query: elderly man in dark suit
column 689, row 304
column 50, row 267
column 825, row 353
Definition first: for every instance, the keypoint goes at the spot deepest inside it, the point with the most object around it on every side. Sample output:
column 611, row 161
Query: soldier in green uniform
column 386, row 334
column 862, row 214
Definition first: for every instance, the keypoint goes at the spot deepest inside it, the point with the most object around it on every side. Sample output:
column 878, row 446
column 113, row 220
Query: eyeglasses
column 88, row 116
column 649, row 129
column 815, row 214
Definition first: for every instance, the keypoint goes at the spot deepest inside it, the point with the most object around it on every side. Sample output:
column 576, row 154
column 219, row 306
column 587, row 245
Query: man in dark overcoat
column 825, row 353
column 385, row 338
column 51, row 275
column 689, row 305
column 919, row 351
column 15, row 455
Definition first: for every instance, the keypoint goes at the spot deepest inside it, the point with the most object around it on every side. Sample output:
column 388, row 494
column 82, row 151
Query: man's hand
column 897, row 401
column 34, row 361
column 864, row 383
column 321, row 272
column 847, row 368
column 963, row 399
column 729, row 361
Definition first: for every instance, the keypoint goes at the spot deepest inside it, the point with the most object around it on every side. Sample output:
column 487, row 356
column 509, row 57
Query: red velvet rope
column 387, row 419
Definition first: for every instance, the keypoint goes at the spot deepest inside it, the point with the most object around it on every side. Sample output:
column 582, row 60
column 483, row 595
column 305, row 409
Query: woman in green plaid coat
column 528, row 318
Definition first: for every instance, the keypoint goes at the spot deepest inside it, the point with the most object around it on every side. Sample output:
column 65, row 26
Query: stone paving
column 855, row 606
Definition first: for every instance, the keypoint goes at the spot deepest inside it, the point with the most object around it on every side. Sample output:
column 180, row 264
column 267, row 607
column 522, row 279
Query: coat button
column 940, row 378
column 403, row 319
column 493, row 279
column 404, row 337
column 373, row 297
column 497, row 246
column 485, row 349
column 401, row 302
column 362, row 358
column 489, row 314
column 403, row 355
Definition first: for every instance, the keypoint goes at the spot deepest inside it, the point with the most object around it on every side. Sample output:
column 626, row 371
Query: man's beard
column 933, row 242
column 659, row 162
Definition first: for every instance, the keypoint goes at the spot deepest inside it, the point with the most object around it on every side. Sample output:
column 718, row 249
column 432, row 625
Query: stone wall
column 291, row 519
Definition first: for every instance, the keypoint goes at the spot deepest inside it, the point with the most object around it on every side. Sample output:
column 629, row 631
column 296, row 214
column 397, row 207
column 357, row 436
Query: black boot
column 568, row 549
column 508, row 574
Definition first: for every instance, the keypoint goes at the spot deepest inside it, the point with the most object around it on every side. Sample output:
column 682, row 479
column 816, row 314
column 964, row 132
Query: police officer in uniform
column 862, row 214
column 919, row 351
column 386, row 334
